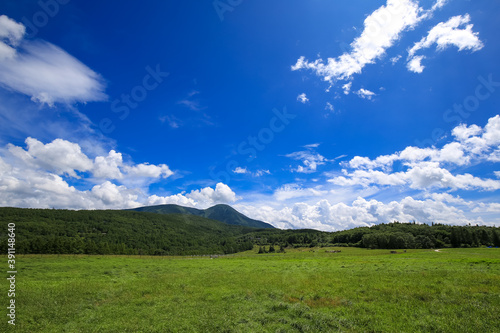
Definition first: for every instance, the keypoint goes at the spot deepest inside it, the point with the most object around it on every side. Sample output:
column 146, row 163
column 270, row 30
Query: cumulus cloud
column 382, row 29
column 40, row 176
column 425, row 168
column 203, row 198
column 44, row 71
column 347, row 88
column 146, row 170
column 111, row 195
column 323, row 215
column 108, row 166
column 59, row 156
column 446, row 34
column 415, row 64
column 63, row 157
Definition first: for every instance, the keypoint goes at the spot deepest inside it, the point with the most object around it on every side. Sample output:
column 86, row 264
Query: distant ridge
column 222, row 213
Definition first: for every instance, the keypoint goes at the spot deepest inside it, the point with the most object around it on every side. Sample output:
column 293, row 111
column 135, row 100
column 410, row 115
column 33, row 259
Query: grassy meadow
column 303, row 290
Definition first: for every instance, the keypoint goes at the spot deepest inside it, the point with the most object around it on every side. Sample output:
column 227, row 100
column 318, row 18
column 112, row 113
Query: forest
column 118, row 232
column 50, row 231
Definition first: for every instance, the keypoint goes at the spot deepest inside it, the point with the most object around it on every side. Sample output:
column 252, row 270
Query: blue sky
column 317, row 114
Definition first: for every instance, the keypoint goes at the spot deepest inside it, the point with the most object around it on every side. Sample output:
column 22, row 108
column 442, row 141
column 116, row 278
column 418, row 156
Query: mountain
column 222, row 213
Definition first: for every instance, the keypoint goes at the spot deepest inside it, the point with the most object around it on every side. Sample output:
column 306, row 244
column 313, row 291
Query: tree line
column 394, row 235
column 46, row 231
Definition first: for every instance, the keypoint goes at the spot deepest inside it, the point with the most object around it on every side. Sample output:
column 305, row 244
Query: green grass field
column 357, row 290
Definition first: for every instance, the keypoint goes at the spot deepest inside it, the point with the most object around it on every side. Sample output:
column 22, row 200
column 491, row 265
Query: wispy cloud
column 329, row 107
column 192, row 105
column 382, row 29
column 171, row 120
column 309, row 158
column 44, row 71
column 245, row 171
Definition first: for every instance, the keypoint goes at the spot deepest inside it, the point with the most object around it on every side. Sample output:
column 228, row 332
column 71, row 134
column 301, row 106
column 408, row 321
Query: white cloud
column 39, row 176
column 192, row 105
column 303, row 98
column 347, row 88
column 427, row 168
column 260, row 173
column 111, row 195
column 324, row 215
column 365, row 94
column 395, row 59
column 172, row 121
column 493, row 207
column 59, row 156
column 25, row 186
column 446, row 34
column 108, row 166
column 439, row 4
column 292, row 191
column 146, row 170
column 310, row 160
column 44, row 71
column 312, row 145
column 421, row 175
column 240, row 170
column 203, row 198
column 464, row 132
column 11, row 33
column 177, row 199
column 382, row 29
column 492, row 131
column 63, row 157
column 245, row 171
column 415, row 64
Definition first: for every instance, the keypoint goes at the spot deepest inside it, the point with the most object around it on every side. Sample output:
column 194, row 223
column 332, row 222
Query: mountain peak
column 220, row 212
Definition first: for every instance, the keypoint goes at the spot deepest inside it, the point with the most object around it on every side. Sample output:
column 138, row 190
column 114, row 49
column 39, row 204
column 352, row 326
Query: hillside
column 118, row 232
column 223, row 213
column 129, row 232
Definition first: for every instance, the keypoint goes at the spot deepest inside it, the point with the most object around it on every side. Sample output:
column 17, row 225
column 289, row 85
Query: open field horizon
column 303, row 290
